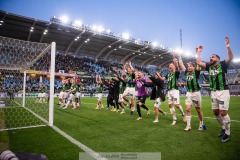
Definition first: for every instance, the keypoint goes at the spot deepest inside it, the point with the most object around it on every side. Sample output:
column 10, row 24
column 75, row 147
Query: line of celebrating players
column 134, row 84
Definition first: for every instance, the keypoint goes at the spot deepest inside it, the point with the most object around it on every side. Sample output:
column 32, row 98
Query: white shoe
column 102, row 107
column 148, row 112
column 155, row 121
column 188, row 128
column 139, row 118
column 174, row 122
column 117, row 110
column 97, row 108
column 65, row 107
column 122, row 112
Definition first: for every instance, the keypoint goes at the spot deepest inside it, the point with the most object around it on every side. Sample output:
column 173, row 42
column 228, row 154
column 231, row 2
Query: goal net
column 26, row 83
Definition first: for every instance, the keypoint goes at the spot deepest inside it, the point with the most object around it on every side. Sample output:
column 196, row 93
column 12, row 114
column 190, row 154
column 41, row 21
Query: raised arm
column 160, row 77
column 175, row 61
column 97, row 78
column 230, row 54
column 100, row 80
column 125, row 67
column 183, row 68
column 130, row 65
column 199, row 60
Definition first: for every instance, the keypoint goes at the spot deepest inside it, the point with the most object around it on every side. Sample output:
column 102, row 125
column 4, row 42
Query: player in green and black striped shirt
column 219, row 89
column 194, row 96
column 131, row 85
column 99, row 91
column 173, row 92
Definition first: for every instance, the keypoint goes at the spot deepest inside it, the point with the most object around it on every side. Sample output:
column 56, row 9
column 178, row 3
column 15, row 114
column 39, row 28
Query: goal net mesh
column 24, row 101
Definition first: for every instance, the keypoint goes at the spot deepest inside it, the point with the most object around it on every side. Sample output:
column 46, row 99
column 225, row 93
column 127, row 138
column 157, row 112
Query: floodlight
column 77, row 23
column 64, row 19
column 178, row 50
column 188, row 53
column 125, row 36
column 100, row 29
column 154, row 44
column 108, row 30
column 236, row 60
column 94, row 27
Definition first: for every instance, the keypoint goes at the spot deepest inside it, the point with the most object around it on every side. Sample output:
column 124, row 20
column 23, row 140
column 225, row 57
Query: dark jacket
column 157, row 88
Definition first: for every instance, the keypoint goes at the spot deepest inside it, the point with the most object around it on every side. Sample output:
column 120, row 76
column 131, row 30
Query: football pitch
column 106, row 131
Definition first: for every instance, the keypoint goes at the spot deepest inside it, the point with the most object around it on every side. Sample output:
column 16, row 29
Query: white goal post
column 27, row 76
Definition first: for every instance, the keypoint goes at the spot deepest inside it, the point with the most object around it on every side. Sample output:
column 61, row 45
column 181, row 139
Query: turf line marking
column 8, row 129
column 80, row 145
column 68, row 137
column 179, row 114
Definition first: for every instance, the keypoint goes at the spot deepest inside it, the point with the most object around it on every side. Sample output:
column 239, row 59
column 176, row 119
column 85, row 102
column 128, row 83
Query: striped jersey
column 217, row 76
column 172, row 79
column 99, row 88
column 192, row 80
column 131, row 78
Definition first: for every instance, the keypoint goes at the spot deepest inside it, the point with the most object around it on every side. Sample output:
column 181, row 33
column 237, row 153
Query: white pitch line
column 68, row 137
column 80, row 145
column 181, row 114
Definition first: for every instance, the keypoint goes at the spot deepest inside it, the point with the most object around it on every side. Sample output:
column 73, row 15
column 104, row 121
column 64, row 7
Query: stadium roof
column 84, row 40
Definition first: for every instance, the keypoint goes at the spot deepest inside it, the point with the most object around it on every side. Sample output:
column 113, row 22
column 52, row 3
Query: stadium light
column 188, row 53
column 100, row 29
column 178, row 50
column 125, row 36
column 64, row 19
column 77, row 23
column 108, row 31
column 94, row 27
column 154, row 44
column 236, row 60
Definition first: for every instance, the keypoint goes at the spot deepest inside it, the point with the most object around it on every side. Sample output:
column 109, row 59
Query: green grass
column 106, row 131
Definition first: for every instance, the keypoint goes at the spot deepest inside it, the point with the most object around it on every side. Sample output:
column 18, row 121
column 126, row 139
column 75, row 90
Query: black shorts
column 141, row 99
